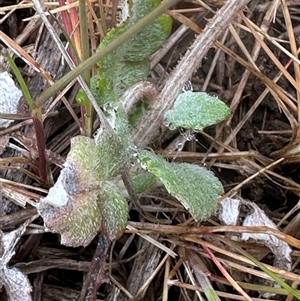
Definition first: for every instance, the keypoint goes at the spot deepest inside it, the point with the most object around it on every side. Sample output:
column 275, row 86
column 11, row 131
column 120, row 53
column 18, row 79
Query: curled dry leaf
column 230, row 212
column 9, row 97
column 16, row 284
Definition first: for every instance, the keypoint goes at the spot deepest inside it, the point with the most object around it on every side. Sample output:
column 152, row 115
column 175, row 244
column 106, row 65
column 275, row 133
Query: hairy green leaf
column 77, row 220
column 118, row 120
column 195, row 187
column 196, row 110
column 114, row 211
column 77, row 206
column 129, row 64
column 112, row 154
column 142, row 181
column 96, row 160
column 83, row 167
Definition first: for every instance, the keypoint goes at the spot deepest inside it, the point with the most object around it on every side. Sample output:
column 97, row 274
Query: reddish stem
column 40, row 140
column 65, row 18
column 68, row 24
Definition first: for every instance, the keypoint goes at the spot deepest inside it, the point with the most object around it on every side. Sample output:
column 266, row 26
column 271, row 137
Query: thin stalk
column 96, row 274
column 226, row 274
column 14, row 117
column 40, row 140
column 21, row 82
column 36, row 117
column 102, row 16
column 75, row 30
column 84, row 39
column 202, row 274
column 67, row 30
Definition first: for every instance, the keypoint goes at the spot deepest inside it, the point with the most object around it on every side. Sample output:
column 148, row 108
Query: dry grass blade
column 294, row 51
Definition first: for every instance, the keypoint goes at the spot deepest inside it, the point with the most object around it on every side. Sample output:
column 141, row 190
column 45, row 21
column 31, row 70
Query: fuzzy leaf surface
column 78, row 220
column 196, row 110
column 195, row 187
column 77, row 206
column 129, row 63
column 114, row 212
column 97, row 159
column 118, row 120
column 142, row 181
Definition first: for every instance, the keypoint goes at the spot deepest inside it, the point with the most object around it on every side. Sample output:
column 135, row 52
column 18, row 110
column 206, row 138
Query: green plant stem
column 21, row 81
column 37, row 118
column 84, row 39
column 136, row 28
